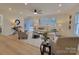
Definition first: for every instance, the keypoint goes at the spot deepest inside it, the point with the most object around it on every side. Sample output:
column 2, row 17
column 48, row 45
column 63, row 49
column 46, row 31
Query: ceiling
column 17, row 9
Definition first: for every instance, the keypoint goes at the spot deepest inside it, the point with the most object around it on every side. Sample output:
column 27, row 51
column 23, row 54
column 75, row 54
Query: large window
column 28, row 24
column 47, row 21
column 77, row 24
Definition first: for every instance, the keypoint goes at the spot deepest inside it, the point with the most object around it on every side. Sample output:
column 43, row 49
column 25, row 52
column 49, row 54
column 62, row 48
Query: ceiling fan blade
column 40, row 12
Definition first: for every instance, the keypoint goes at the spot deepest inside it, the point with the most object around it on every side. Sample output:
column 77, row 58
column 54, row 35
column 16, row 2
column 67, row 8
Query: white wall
column 6, row 27
column 65, row 25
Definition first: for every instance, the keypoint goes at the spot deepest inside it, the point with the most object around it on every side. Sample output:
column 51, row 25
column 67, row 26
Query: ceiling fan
column 35, row 11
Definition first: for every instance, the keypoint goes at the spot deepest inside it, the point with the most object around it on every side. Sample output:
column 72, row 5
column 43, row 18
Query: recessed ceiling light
column 60, row 5
column 10, row 9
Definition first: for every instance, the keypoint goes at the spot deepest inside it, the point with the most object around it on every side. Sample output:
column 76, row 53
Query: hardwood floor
column 12, row 46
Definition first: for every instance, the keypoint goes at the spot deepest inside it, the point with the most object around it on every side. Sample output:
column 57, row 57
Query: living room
column 28, row 21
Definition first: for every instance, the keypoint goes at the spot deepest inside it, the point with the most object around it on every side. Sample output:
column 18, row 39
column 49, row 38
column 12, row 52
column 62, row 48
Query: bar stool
column 43, row 47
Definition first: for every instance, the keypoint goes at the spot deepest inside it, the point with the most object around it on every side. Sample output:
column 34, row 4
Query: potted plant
column 45, row 38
